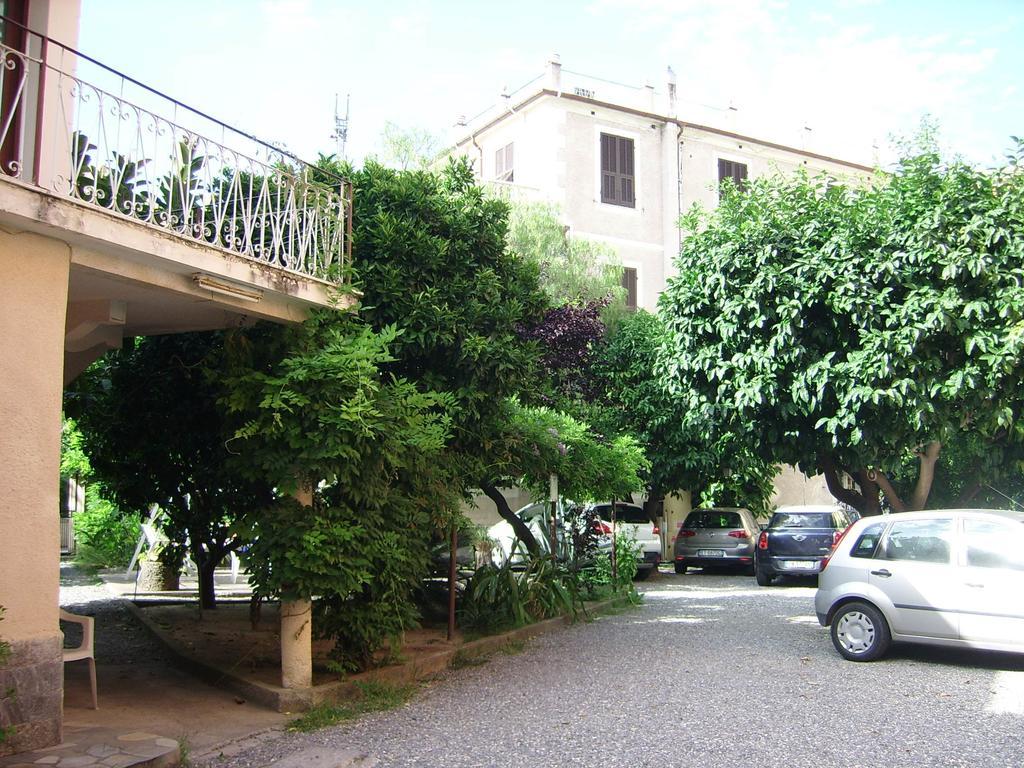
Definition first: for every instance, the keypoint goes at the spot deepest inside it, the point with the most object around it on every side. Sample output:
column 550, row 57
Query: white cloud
column 784, row 70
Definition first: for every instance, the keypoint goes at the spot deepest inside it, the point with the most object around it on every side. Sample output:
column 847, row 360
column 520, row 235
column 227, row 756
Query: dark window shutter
column 729, row 169
column 739, row 174
column 617, row 176
column 503, row 170
column 608, row 167
column 629, row 283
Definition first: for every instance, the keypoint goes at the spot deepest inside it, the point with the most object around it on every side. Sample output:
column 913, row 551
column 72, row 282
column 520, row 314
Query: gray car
column 950, row 577
column 716, row 537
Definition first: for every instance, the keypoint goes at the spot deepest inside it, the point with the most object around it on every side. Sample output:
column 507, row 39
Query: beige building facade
column 92, row 254
column 622, row 164
column 564, row 137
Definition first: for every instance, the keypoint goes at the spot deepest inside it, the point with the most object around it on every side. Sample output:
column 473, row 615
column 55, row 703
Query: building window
column 503, row 164
column 729, row 169
column 629, row 283
column 618, row 184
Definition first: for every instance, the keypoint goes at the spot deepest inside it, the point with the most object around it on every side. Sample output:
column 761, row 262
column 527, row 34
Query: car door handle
column 974, row 586
column 883, row 572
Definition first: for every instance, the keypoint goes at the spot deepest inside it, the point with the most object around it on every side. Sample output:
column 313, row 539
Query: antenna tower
column 340, row 134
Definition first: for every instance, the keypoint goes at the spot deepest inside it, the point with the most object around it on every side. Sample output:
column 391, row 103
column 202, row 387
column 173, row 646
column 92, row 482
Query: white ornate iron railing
column 132, row 151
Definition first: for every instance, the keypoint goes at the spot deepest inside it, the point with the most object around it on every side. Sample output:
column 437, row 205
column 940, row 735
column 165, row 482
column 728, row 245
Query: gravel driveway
column 711, row 671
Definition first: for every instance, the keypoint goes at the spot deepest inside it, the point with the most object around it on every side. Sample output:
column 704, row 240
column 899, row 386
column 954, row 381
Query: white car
column 952, row 577
column 633, row 522
column 506, row 545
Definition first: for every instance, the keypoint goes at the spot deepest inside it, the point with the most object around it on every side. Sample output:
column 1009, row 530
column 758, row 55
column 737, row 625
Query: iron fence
column 112, row 143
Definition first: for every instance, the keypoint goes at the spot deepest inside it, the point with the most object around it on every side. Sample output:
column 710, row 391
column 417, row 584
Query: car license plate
column 710, row 553
column 799, row 565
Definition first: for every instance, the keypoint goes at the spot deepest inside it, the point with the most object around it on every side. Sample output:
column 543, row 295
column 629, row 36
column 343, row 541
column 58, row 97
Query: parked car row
column 952, row 577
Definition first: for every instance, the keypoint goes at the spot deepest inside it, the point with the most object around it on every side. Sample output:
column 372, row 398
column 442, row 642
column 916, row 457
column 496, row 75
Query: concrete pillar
column 677, row 507
column 58, row 19
column 33, row 302
column 297, row 629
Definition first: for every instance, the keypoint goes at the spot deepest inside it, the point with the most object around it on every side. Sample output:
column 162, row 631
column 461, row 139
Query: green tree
column 713, row 462
column 154, row 434
column 326, row 416
column 573, row 270
column 408, row 149
column 432, row 258
column 845, row 326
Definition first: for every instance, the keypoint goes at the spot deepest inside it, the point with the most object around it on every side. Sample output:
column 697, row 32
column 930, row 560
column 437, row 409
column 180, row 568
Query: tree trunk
column 869, row 492
column 522, row 532
column 207, row 593
column 828, row 467
column 925, row 474
column 895, row 502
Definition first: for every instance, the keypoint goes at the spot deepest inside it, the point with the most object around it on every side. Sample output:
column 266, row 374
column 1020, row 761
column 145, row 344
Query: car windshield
column 713, row 519
column 802, row 520
column 624, row 513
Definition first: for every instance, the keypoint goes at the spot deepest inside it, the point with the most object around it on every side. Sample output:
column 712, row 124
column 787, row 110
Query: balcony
column 75, row 130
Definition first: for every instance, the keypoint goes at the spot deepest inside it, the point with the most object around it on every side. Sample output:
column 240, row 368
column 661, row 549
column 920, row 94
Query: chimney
column 555, row 73
column 671, row 82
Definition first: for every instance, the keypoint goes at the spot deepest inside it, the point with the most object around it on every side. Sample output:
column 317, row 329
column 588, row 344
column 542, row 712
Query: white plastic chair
column 85, row 650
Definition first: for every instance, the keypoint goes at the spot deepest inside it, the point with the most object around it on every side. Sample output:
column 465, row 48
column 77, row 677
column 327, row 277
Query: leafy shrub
column 106, row 536
column 499, row 598
column 597, row 582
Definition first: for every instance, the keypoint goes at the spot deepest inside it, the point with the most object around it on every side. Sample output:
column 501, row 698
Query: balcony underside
column 155, row 273
column 127, row 279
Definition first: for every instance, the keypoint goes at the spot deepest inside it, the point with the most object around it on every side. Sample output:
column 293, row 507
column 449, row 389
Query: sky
column 842, row 77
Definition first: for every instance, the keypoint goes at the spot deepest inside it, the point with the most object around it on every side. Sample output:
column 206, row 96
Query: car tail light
column 687, row 534
column 737, row 534
column 657, row 530
column 762, row 540
column 603, row 528
column 836, row 538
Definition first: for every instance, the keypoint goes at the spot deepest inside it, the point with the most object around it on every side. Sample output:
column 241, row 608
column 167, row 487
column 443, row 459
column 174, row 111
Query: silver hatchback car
column 950, row 577
column 716, row 537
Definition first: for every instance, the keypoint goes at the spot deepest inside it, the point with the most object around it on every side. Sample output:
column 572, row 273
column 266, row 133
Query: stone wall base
column 32, row 695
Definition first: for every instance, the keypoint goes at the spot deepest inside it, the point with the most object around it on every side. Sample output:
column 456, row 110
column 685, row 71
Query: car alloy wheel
column 860, row 632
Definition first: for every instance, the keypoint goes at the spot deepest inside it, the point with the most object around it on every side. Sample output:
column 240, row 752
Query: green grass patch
column 512, row 647
column 461, row 659
column 370, row 697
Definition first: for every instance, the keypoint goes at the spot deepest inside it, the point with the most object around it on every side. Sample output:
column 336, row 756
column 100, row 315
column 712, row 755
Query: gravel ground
column 124, row 640
column 711, row 671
